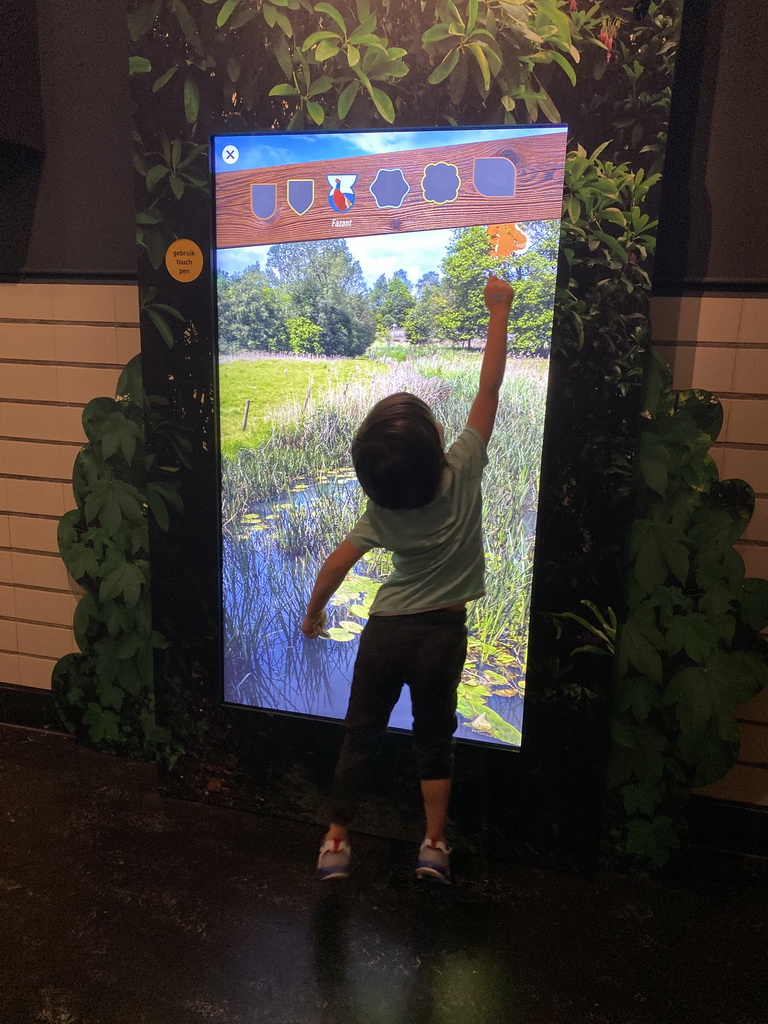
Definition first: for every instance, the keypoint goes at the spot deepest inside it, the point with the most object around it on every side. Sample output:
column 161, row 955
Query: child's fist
column 498, row 293
column 314, row 625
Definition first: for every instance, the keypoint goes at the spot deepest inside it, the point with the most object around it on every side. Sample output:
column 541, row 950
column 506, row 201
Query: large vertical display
column 349, row 266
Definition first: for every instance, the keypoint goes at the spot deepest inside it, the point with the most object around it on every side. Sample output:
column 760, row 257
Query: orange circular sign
column 184, row 259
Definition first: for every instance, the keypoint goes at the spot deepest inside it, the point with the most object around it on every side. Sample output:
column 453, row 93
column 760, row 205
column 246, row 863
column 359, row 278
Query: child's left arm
column 329, row 579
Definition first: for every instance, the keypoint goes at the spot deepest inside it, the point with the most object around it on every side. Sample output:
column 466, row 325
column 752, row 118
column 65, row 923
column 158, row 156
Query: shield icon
column 301, row 194
column 263, row 201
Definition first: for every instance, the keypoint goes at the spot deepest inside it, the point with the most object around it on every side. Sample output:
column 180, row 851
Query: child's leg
column 437, row 661
column 435, row 794
column 376, row 685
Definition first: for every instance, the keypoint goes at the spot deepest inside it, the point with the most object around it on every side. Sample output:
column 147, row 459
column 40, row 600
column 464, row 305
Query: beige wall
column 60, row 346
column 720, row 344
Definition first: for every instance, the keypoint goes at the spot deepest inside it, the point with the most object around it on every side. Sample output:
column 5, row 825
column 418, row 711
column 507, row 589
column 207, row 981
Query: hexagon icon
column 389, row 188
column 441, row 183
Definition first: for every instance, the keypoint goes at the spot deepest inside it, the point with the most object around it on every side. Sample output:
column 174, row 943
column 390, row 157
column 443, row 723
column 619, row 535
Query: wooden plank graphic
column 488, row 182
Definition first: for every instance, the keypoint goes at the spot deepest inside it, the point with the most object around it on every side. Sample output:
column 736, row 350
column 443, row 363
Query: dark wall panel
column 83, row 217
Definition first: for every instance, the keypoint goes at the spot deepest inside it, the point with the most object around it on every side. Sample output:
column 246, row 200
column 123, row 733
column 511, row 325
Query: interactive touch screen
column 350, row 266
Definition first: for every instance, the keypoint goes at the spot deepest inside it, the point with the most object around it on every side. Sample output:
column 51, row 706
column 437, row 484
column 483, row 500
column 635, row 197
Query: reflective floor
column 121, row 907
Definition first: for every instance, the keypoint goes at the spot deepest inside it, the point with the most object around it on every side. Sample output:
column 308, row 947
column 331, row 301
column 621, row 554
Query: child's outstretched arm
column 498, row 298
column 329, row 579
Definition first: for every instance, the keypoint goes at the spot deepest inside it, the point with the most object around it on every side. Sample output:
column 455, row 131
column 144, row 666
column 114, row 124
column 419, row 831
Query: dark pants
column 427, row 651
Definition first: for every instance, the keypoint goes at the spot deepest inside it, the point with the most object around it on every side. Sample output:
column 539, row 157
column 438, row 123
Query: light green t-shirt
column 437, row 550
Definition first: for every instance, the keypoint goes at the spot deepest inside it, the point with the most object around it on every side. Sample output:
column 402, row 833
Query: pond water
column 269, row 566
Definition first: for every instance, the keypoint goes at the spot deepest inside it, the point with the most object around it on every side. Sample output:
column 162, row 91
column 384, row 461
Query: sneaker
column 334, row 859
column 433, row 862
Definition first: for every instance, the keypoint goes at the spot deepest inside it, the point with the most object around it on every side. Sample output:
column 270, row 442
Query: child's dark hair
column 398, row 453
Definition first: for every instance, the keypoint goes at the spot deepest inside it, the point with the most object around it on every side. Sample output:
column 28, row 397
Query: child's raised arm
column 498, row 296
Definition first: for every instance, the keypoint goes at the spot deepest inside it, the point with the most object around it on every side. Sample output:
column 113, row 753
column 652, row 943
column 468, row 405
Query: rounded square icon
column 230, row 154
column 341, row 194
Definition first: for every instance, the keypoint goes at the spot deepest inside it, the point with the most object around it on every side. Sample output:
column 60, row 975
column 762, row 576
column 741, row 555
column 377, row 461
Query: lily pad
column 343, row 636
column 360, row 610
column 352, row 627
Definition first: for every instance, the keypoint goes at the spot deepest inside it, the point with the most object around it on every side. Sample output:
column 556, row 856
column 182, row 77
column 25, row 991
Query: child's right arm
column 498, row 298
column 329, row 579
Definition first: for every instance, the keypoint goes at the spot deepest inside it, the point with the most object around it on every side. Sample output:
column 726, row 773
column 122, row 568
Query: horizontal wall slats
column 51, row 422
column 83, row 303
column 29, row 534
column 60, row 347
column 44, row 607
column 744, row 784
column 37, row 459
column 44, row 496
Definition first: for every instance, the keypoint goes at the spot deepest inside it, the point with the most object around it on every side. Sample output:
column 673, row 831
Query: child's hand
column 498, row 293
column 314, row 625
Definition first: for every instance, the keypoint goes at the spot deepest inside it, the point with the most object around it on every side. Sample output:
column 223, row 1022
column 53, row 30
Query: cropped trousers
column 427, row 652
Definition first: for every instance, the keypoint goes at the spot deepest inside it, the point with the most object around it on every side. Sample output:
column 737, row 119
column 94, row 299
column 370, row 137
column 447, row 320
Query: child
column 425, row 506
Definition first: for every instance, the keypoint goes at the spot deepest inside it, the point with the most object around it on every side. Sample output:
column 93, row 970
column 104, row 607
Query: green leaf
column 155, row 174
column 383, row 104
column 138, row 65
column 320, row 86
column 353, row 56
column 330, row 10
column 164, row 79
column 482, row 61
column 655, row 474
column 652, row 840
column 346, row 99
column 283, row 56
column 191, row 101
column 697, row 696
column 284, row 89
column 695, row 634
column 317, row 37
column 550, row 110
column 638, row 645
column 162, row 326
column 564, row 64
column 326, row 50
column 445, row 67
column 141, row 20
column 436, row 34
column 233, row 69
column 315, row 111
column 126, row 581
column 226, row 11
column 177, row 186
column 188, row 26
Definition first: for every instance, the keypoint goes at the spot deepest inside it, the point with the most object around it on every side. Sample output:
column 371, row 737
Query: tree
column 421, row 322
column 323, row 283
column 533, row 275
column 464, row 265
column 398, row 301
column 251, row 316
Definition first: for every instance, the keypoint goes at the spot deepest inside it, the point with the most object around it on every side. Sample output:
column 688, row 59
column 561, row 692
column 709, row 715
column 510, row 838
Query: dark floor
column 121, row 907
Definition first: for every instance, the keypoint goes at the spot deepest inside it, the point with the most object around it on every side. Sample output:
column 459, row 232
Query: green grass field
column 270, row 384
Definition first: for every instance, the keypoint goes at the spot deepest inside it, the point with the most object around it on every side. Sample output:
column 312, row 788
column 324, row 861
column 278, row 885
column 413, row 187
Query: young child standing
column 425, row 506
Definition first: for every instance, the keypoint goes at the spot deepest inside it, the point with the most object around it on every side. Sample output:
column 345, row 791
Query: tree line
column 313, row 298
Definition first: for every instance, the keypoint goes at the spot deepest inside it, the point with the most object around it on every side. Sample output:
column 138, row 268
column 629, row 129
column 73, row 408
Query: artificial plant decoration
column 690, row 649
column 105, row 694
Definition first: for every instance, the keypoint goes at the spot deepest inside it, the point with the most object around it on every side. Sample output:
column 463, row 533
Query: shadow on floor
column 121, row 907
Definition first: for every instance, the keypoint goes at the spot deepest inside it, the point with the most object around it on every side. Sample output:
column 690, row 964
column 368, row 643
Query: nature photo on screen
column 311, row 333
